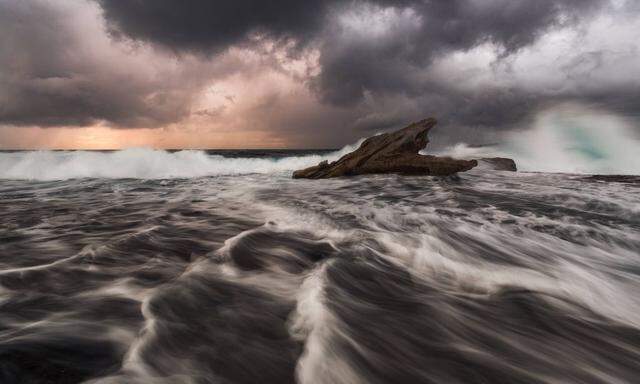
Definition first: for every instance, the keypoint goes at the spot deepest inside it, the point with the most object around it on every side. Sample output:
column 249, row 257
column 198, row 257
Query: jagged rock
column 395, row 152
column 500, row 163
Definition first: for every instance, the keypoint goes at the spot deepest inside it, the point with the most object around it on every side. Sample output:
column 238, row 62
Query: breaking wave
column 145, row 163
column 567, row 139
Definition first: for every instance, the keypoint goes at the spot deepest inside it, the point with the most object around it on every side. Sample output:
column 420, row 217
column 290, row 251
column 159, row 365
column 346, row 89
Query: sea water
column 150, row 266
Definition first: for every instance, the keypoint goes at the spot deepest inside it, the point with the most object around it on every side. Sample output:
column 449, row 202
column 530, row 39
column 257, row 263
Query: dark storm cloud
column 50, row 76
column 375, row 60
column 357, row 67
column 206, row 25
column 210, row 26
column 351, row 66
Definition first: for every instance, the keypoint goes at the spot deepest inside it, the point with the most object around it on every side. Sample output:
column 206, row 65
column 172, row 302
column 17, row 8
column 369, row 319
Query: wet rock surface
column 395, row 152
column 499, row 163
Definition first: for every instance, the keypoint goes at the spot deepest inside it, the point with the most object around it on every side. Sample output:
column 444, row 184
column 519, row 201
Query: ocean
column 150, row 266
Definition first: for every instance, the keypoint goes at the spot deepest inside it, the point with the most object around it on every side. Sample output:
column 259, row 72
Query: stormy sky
column 314, row 74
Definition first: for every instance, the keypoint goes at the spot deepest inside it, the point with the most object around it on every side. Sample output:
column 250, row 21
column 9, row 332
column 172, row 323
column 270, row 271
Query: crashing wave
column 567, row 139
column 143, row 163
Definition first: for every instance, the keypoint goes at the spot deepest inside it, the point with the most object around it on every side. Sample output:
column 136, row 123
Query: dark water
column 490, row 277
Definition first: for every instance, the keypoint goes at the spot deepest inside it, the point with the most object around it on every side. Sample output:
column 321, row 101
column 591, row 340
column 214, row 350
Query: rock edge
column 395, row 152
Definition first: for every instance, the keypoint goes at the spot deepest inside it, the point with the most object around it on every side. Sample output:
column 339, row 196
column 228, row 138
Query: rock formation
column 499, row 163
column 395, row 152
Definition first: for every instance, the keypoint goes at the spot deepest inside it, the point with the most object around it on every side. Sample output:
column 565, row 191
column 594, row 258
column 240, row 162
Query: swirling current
column 220, row 277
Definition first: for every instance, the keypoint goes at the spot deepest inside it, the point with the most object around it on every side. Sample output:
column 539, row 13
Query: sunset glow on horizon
column 98, row 138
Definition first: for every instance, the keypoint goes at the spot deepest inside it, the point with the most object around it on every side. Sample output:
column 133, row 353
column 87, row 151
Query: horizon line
column 168, row 149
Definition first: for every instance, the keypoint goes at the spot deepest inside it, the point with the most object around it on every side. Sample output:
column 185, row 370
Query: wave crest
column 569, row 139
column 144, row 163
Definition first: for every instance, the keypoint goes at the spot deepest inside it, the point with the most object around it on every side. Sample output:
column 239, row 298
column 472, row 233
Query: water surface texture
column 230, row 276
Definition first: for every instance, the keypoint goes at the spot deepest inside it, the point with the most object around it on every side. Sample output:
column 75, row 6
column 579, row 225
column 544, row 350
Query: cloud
column 211, row 26
column 480, row 66
column 206, row 26
column 383, row 49
column 59, row 68
column 353, row 61
column 314, row 73
column 365, row 45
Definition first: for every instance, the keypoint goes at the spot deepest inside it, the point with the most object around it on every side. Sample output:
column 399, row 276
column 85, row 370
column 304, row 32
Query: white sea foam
column 570, row 139
column 144, row 163
column 312, row 322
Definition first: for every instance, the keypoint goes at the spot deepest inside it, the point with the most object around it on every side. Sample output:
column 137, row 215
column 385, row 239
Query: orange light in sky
column 109, row 138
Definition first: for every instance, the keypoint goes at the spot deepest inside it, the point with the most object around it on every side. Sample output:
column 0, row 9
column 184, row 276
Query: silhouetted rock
column 395, row 152
column 500, row 163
